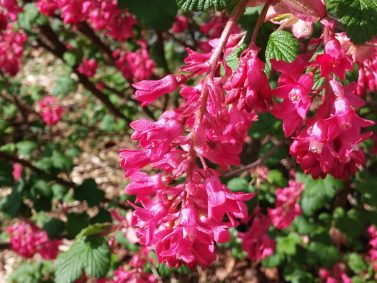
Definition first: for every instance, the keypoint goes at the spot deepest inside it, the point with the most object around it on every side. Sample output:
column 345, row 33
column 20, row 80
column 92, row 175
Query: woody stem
column 213, row 64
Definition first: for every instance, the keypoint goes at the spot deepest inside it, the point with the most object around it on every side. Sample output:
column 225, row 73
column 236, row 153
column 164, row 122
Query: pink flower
column 27, row 240
column 135, row 65
column 372, row 231
column 11, row 50
column 286, row 206
column 12, row 8
column 256, row 242
column 47, row 7
column 248, row 88
column 3, row 22
column 334, row 60
column 307, row 10
column 335, row 275
column 88, row 67
column 50, row 110
column 180, row 25
column 148, row 91
column 17, row 171
column 294, row 88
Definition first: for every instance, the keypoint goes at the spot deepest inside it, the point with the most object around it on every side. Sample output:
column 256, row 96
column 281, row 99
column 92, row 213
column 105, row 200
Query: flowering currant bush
column 244, row 130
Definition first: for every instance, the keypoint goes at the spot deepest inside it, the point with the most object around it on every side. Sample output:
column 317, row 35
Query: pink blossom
column 294, row 88
column 12, row 8
column 135, row 66
column 72, row 12
column 372, row 231
column 27, row 240
column 180, row 25
column 17, row 171
column 335, row 275
column 307, row 10
column 286, row 206
column 148, row 91
column 248, row 88
column 3, row 21
column 50, row 110
column 88, row 67
column 47, row 7
column 256, row 242
column 334, row 60
column 11, row 50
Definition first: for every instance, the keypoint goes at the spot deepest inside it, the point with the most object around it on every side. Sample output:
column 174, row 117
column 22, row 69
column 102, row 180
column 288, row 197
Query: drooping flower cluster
column 256, row 242
column 336, row 275
column 182, row 220
column 88, row 67
column 50, row 110
column 372, row 231
column 11, row 50
column 102, row 15
column 28, row 240
column 135, row 66
column 286, row 206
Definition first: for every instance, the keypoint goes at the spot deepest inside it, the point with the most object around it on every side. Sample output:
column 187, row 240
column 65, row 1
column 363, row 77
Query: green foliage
column 317, row 193
column 88, row 254
column 282, row 45
column 359, row 18
column 238, row 185
column 204, row 5
column 32, row 272
column 64, row 85
column 88, row 191
column 158, row 15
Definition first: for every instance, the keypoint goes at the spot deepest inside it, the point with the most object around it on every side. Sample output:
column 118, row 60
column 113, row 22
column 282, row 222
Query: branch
column 29, row 165
column 256, row 163
column 55, row 46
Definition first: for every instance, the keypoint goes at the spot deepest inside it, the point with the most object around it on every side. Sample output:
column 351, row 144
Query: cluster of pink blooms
column 136, row 274
column 88, row 67
column 372, row 231
column 256, row 241
column 50, row 110
column 17, row 171
column 11, row 50
column 102, row 15
column 183, row 210
column 336, row 275
column 28, row 240
column 181, row 24
column 135, row 66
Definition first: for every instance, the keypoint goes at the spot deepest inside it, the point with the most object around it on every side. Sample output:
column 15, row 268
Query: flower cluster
column 11, row 50
column 335, row 275
column 102, row 15
column 28, row 240
column 88, row 67
column 135, row 66
column 50, row 110
column 286, row 206
column 372, row 231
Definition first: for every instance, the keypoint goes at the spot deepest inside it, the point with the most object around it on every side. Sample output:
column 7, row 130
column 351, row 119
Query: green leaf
column 317, row 192
column 54, row 227
column 90, row 192
column 26, row 147
column 64, row 85
column 91, row 254
column 323, row 254
column 155, row 14
column 97, row 256
column 69, row 264
column 202, row 5
column 238, row 185
column 282, row 45
column 94, row 229
column 356, row 263
column 76, row 222
column 287, row 245
column 359, row 18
